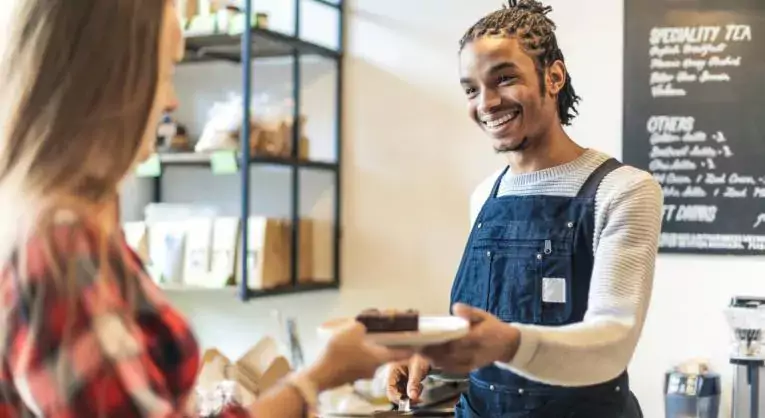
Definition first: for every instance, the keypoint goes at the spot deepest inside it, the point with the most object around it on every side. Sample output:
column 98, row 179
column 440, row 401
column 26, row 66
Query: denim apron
column 529, row 260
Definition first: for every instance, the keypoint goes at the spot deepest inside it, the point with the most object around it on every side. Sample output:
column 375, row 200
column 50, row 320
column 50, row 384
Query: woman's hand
column 348, row 357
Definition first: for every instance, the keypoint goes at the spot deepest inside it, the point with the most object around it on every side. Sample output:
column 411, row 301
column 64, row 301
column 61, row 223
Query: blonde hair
column 79, row 80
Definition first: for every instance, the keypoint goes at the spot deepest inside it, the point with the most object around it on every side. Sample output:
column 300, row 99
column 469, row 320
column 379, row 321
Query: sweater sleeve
column 600, row 347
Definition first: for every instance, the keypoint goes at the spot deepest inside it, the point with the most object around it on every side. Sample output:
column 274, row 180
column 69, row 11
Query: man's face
column 502, row 86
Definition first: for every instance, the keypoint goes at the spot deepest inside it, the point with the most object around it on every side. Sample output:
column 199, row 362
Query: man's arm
column 600, row 348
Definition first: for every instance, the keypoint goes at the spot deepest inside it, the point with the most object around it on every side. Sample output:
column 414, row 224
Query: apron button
column 570, row 224
column 491, row 387
column 539, row 256
column 488, row 253
column 618, row 389
column 479, row 225
column 520, row 391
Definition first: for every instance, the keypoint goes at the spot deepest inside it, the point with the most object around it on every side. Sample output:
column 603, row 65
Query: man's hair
column 527, row 20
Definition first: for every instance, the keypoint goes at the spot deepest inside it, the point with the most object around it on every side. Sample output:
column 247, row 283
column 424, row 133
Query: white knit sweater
column 628, row 212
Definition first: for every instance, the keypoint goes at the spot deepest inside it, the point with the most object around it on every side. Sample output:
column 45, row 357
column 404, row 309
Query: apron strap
column 590, row 186
column 498, row 182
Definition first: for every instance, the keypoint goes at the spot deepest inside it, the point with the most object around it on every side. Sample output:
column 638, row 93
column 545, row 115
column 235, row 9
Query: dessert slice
column 390, row 320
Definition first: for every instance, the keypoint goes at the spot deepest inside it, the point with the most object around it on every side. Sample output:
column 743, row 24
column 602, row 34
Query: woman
column 84, row 332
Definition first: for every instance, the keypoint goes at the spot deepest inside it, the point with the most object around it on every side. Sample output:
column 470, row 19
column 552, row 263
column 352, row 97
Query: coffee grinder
column 746, row 317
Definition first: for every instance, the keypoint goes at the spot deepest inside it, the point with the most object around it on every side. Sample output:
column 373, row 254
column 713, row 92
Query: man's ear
column 556, row 77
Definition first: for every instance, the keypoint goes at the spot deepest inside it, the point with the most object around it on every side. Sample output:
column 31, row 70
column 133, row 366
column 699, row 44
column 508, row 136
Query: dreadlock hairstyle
column 528, row 21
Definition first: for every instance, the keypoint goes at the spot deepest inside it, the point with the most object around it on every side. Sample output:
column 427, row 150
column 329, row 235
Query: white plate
column 433, row 330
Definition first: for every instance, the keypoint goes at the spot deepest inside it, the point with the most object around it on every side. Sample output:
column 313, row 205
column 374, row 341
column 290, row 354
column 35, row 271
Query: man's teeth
column 495, row 123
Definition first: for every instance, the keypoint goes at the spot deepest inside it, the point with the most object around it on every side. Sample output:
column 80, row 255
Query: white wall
column 407, row 136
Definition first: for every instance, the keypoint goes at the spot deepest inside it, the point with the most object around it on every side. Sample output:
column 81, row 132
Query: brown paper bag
column 257, row 371
column 305, row 251
column 303, row 149
column 262, row 366
column 223, row 267
column 268, row 254
column 321, row 250
column 275, row 140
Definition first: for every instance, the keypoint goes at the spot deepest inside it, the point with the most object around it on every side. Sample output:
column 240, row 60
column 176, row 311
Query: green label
column 150, row 168
column 224, row 162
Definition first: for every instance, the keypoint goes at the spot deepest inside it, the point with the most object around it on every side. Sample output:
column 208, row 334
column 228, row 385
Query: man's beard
column 502, row 149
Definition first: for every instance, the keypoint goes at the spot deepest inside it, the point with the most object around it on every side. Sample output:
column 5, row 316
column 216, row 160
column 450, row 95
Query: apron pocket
column 555, row 281
column 555, row 289
column 530, row 271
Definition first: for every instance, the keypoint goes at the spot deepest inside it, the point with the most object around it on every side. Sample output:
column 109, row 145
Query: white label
column 553, row 290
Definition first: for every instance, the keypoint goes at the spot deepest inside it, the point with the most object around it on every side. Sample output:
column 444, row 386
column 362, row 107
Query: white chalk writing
column 687, row 55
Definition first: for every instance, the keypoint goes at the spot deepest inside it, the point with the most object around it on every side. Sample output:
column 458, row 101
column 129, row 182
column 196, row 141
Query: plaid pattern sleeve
column 85, row 333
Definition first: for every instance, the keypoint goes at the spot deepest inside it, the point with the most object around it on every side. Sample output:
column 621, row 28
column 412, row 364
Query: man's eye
column 505, row 79
column 470, row 91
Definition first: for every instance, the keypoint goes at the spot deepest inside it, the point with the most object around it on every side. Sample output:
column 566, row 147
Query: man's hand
column 405, row 379
column 489, row 340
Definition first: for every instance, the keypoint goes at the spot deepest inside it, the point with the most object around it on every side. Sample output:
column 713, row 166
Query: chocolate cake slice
column 390, row 320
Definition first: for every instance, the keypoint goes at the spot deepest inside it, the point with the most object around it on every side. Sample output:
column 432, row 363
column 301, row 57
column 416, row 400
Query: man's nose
column 488, row 100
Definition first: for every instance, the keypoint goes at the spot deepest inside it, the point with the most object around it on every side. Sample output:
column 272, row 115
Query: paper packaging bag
column 224, row 247
column 316, row 251
column 305, row 251
column 275, row 139
column 263, row 366
column 257, row 371
column 199, row 236
column 167, row 240
column 319, row 251
column 268, row 253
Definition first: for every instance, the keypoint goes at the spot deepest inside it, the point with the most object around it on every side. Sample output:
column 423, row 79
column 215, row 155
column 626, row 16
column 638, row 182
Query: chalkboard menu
column 694, row 116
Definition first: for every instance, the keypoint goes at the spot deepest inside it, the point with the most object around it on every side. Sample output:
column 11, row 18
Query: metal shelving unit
column 243, row 49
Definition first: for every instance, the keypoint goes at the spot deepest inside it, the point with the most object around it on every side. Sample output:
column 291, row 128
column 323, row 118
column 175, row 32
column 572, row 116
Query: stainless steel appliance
column 746, row 317
column 691, row 394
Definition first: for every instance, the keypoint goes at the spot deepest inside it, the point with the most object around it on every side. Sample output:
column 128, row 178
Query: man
column 557, row 272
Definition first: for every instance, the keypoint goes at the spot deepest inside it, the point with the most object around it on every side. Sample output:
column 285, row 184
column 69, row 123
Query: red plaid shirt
column 78, row 348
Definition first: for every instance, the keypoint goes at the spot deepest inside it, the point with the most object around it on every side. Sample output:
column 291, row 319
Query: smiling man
column 557, row 272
